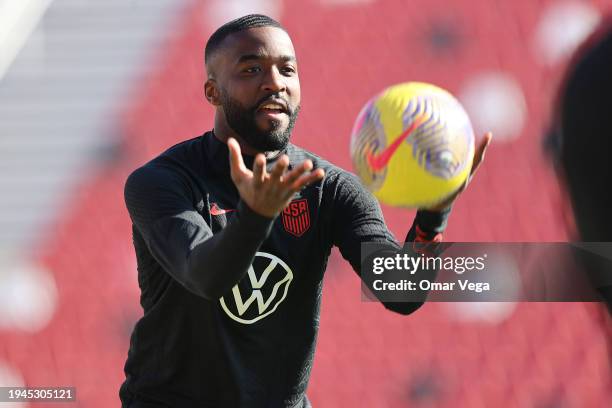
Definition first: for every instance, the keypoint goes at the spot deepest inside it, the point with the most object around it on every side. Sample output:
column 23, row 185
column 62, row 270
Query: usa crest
column 296, row 217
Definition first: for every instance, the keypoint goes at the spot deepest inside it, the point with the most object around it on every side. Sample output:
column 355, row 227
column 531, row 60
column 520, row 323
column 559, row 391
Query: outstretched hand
column 268, row 193
column 478, row 158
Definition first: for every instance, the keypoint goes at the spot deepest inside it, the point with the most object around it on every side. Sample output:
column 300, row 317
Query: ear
column 211, row 92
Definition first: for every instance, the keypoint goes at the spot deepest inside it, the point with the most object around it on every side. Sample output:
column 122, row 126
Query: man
column 231, row 290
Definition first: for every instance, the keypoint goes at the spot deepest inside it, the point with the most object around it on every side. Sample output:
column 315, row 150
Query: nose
column 274, row 82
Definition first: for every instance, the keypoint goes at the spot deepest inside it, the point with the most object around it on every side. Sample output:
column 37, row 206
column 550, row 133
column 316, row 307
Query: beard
column 243, row 121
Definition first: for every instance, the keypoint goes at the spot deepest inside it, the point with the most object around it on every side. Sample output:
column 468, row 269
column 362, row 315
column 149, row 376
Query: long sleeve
column 358, row 218
column 160, row 203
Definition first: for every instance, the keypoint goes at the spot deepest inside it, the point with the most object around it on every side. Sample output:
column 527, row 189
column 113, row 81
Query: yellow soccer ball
column 412, row 145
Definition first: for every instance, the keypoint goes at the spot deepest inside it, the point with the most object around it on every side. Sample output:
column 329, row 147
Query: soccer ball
column 412, row 145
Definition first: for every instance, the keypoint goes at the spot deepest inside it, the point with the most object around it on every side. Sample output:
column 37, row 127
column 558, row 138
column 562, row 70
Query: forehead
column 267, row 42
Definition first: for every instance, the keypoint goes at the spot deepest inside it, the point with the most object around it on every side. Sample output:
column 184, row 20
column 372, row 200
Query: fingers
column 480, row 152
column 476, row 162
column 486, row 141
column 237, row 167
column 294, row 174
column 279, row 168
column 307, row 179
column 301, row 176
column 259, row 169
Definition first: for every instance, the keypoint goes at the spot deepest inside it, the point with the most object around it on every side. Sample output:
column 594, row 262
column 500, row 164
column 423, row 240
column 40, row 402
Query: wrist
column 251, row 219
column 433, row 221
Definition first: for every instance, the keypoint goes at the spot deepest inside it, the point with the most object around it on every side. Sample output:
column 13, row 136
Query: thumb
column 480, row 152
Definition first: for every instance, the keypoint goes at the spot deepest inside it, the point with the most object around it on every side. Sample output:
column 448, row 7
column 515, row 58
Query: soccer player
column 232, row 232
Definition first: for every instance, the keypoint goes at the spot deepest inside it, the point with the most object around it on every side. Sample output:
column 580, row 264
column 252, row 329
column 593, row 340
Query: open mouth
column 272, row 108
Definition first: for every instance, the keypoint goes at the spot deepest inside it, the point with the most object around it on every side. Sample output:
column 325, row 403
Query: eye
column 288, row 70
column 252, row 70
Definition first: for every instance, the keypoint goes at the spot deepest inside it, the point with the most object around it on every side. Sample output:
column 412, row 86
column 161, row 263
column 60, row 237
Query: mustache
column 274, row 98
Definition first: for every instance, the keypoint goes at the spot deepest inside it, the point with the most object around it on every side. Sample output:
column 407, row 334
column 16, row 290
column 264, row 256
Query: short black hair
column 237, row 25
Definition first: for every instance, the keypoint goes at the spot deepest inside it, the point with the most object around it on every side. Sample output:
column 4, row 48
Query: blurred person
column 581, row 143
column 232, row 232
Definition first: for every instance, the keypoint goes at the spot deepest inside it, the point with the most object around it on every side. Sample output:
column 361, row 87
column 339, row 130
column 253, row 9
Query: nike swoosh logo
column 215, row 210
column 379, row 161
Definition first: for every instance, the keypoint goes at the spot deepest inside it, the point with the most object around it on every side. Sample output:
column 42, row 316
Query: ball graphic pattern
column 412, row 145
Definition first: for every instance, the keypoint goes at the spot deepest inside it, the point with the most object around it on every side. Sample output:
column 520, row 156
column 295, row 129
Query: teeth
column 272, row 106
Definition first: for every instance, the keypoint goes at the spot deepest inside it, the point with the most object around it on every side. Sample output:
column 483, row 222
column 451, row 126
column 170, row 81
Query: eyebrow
column 256, row 57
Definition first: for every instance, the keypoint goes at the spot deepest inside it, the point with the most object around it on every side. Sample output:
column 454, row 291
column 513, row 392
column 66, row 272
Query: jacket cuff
column 432, row 222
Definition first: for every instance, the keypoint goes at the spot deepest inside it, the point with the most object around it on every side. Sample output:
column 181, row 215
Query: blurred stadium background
column 89, row 90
